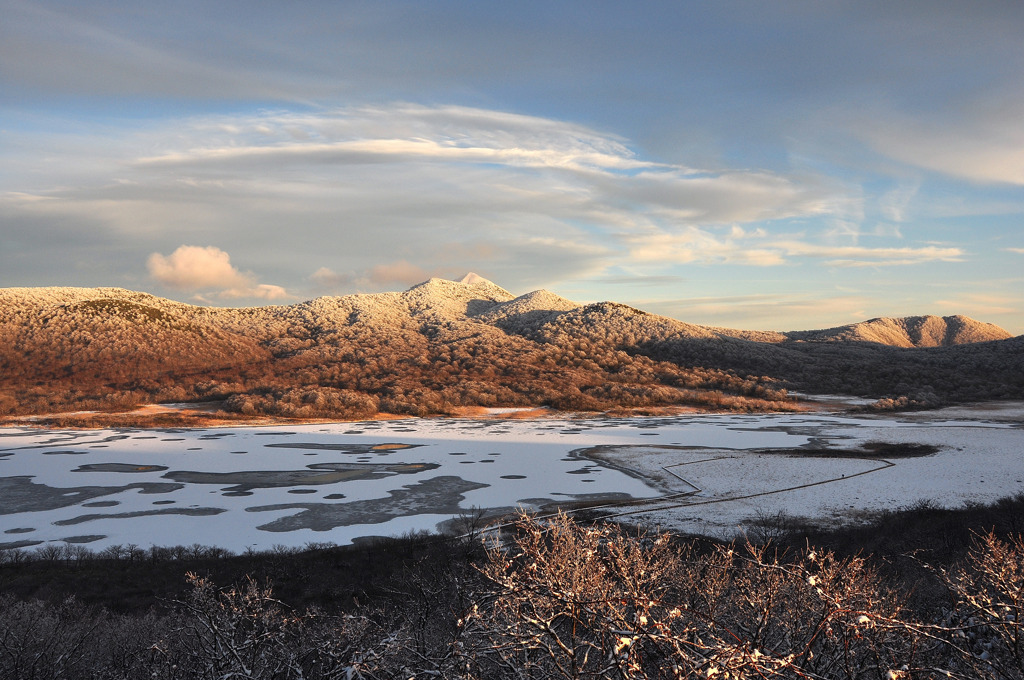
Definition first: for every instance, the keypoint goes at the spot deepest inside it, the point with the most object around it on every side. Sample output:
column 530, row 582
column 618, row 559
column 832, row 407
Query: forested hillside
column 443, row 345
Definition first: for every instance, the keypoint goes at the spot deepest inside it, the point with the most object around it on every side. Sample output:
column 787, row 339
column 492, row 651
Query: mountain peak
column 454, row 299
column 473, row 278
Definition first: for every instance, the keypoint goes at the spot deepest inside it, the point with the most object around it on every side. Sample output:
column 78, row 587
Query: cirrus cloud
column 981, row 141
column 759, row 248
column 386, row 195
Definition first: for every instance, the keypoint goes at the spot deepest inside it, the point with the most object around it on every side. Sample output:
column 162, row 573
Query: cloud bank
column 208, row 269
column 717, row 147
column 373, row 197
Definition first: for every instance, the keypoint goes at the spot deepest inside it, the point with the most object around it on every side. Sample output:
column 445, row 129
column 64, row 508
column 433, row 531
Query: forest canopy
column 445, row 345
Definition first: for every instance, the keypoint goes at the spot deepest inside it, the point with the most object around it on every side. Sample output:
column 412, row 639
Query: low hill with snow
column 909, row 331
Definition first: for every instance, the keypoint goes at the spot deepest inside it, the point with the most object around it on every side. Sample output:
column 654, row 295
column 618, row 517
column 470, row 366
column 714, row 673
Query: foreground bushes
column 562, row 600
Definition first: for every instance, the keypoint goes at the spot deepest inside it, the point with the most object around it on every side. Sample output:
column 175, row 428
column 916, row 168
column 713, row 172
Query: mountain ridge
column 910, row 331
column 442, row 345
column 495, row 304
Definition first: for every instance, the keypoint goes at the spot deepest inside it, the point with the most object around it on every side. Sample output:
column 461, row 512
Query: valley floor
column 712, row 474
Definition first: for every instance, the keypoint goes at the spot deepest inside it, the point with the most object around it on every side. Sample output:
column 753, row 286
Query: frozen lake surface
column 714, row 474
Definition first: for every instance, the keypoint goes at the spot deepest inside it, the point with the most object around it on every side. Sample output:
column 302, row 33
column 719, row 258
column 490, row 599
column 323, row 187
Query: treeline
column 112, row 355
column 553, row 599
column 423, row 352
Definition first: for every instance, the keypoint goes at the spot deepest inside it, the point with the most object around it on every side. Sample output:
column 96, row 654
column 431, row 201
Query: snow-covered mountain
column 443, row 344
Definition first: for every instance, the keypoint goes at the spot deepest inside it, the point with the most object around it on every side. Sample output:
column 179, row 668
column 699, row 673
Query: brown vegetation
column 554, row 599
column 443, row 346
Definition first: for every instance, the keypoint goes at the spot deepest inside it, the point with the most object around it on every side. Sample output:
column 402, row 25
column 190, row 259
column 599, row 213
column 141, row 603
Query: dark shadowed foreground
column 558, row 599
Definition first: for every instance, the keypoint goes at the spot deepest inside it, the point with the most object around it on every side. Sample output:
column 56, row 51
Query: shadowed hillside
column 443, row 345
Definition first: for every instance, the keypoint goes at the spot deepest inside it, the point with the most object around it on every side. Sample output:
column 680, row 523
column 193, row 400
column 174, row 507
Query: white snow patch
column 724, row 457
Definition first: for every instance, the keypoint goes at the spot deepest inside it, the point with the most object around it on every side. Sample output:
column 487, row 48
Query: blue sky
column 784, row 165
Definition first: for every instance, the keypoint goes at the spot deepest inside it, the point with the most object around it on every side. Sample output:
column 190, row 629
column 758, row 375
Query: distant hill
column 442, row 345
column 909, row 331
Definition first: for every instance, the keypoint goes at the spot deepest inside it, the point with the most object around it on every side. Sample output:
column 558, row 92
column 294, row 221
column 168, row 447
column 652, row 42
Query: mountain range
column 445, row 345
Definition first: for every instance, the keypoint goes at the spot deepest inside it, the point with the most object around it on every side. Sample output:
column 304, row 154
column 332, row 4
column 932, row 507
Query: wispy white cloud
column 759, row 248
column 402, row 132
column 570, row 167
column 444, row 189
column 769, row 311
column 858, row 256
column 982, row 141
column 375, row 198
column 894, row 204
column 983, row 305
column 697, row 245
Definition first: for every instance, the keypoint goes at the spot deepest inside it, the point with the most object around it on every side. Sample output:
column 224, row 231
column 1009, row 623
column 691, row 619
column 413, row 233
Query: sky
column 785, row 165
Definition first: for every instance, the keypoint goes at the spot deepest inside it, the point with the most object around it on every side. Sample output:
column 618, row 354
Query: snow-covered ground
column 242, row 487
column 978, row 461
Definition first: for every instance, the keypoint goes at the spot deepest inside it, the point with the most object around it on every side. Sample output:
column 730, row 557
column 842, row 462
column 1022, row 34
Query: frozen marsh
column 712, row 474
